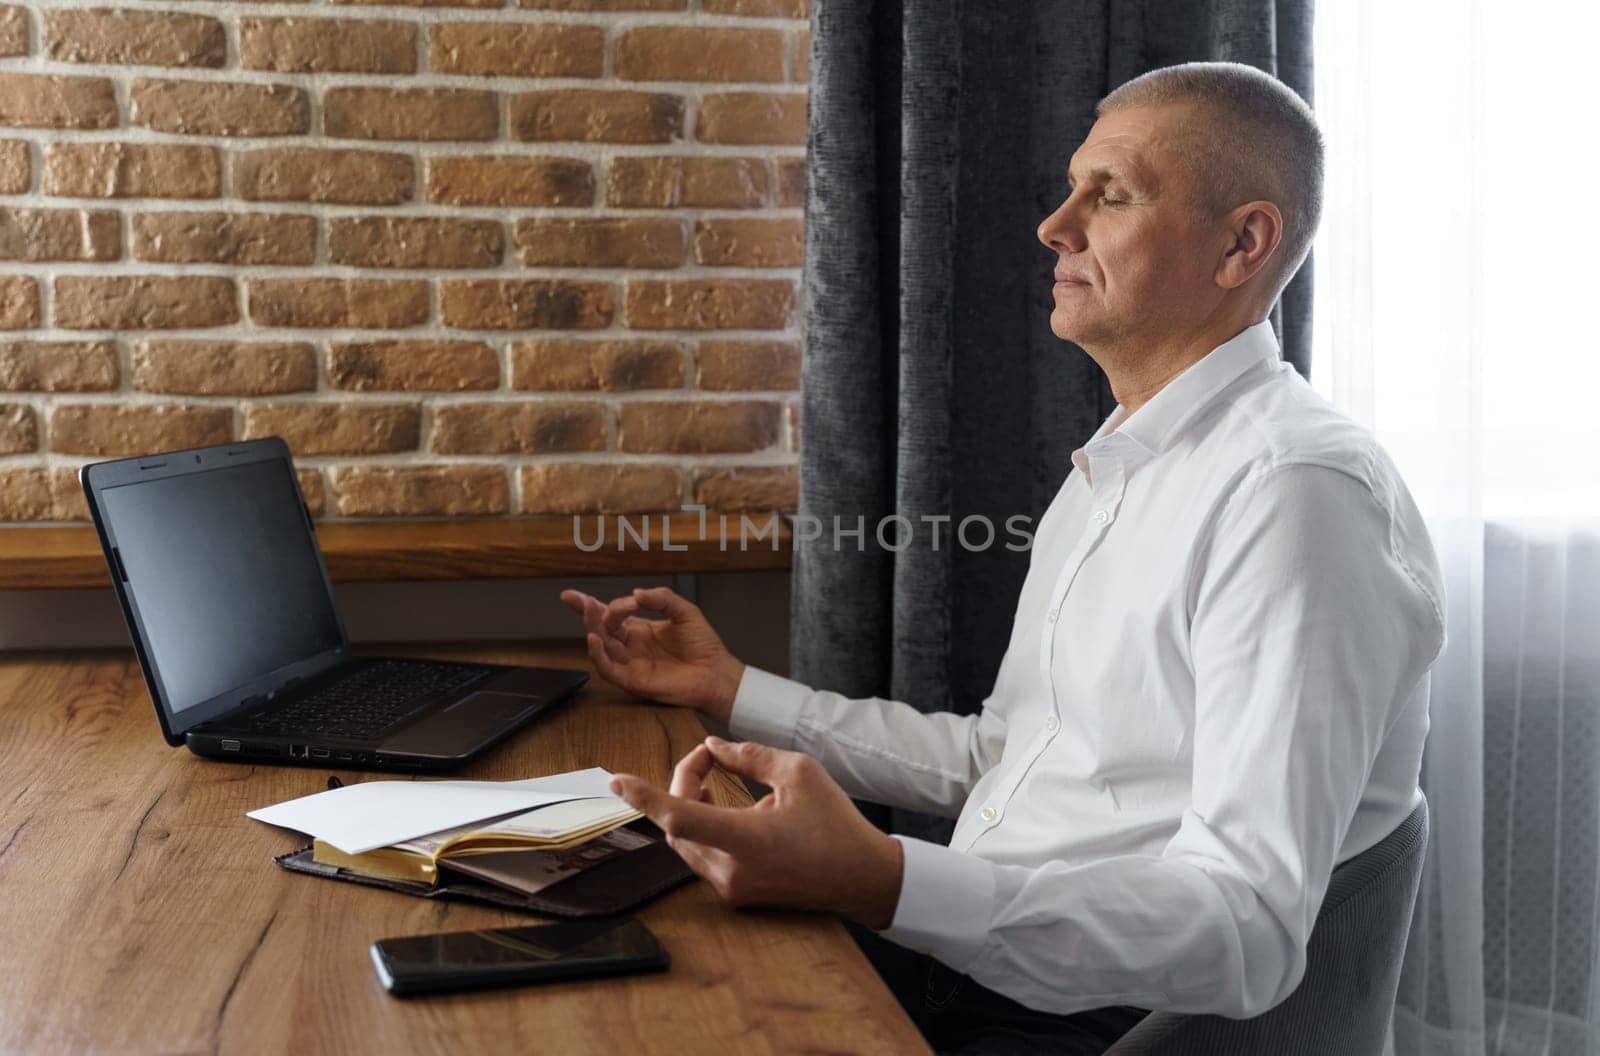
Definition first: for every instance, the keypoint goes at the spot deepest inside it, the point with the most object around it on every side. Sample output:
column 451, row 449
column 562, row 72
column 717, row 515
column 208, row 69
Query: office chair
column 1343, row 1004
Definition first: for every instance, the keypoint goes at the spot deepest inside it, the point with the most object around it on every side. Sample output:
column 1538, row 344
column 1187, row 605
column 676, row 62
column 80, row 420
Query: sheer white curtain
column 1456, row 282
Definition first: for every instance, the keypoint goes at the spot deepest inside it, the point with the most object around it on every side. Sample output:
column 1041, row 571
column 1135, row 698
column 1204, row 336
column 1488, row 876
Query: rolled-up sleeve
column 880, row 750
column 1309, row 633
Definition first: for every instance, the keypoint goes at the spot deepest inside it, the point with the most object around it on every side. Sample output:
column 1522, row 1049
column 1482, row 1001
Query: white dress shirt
column 1215, row 690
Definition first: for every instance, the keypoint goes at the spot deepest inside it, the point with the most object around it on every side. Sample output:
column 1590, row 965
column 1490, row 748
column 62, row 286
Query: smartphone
column 470, row 960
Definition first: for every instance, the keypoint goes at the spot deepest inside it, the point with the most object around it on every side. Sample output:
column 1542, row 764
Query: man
column 1216, row 683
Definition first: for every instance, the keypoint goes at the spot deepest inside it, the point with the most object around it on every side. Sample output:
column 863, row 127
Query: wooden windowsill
column 66, row 557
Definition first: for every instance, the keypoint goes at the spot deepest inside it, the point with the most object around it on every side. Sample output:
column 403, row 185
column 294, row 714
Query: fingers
column 616, row 613
column 720, row 827
column 768, row 765
column 586, row 606
column 610, row 669
column 688, row 777
column 665, row 599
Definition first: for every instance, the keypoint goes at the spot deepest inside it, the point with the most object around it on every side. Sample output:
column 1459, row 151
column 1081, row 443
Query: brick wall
column 467, row 259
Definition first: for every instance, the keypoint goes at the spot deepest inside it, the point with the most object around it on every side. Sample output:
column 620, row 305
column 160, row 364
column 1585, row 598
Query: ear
column 1254, row 231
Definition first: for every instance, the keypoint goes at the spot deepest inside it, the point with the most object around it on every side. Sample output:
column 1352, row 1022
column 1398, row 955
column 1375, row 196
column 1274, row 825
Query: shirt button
column 988, row 813
column 1052, row 614
column 1102, row 517
column 1052, row 724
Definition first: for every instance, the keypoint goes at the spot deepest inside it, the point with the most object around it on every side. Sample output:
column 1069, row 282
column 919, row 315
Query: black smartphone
column 470, row 960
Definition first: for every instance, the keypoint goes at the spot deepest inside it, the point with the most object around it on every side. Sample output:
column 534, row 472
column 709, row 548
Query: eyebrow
column 1102, row 173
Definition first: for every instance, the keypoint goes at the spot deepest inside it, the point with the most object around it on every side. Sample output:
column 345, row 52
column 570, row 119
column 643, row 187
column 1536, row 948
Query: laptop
column 214, row 559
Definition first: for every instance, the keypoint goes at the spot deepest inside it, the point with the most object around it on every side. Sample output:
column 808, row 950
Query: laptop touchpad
column 463, row 725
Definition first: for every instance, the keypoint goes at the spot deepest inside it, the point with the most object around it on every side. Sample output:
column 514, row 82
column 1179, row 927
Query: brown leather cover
column 615, row 885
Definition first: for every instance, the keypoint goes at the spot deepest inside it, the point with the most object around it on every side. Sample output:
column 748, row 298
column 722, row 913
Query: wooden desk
column 140, row 910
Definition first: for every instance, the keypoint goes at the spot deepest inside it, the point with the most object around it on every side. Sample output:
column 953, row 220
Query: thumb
column 748, row 759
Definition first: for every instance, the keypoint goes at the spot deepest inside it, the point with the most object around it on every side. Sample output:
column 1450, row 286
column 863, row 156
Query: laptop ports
column 321, row 753
column 343, row 757
column 297, row 751
column 230, row 746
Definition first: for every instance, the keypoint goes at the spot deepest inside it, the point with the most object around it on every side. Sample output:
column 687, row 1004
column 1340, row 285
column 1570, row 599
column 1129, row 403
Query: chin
column 1070, row 326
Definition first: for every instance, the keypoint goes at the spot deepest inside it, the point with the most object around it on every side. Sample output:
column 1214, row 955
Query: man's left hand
column 804, row 846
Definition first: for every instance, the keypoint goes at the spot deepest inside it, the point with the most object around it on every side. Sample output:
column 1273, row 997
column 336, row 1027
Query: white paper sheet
column 372, row 814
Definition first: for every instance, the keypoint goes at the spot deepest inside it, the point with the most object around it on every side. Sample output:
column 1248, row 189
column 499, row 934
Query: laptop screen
column 225, row 576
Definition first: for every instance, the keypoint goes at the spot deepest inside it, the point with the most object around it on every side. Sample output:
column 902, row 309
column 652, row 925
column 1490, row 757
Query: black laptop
column 216, row 564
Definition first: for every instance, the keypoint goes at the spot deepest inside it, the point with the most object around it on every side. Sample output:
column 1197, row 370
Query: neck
column 1141, row 367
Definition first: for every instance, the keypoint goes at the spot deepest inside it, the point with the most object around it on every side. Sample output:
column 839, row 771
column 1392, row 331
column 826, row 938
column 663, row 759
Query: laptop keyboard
column 366, row 702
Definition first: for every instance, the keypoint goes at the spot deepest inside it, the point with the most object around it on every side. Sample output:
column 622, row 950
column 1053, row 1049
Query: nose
column 1062, row 230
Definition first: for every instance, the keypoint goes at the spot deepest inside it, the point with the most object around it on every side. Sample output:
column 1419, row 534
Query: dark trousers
column 957, row 1015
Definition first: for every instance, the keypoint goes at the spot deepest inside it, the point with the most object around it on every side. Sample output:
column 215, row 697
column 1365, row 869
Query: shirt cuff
column 766, row 708
column 946, row 901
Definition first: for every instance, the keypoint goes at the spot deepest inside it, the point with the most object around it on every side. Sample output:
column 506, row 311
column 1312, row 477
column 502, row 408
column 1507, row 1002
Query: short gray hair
column 1262, row 142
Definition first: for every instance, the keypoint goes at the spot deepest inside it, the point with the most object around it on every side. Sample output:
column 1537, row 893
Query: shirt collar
column 1155, row 425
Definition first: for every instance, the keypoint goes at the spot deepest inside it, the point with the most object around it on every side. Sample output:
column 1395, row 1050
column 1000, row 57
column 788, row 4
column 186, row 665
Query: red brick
column 13, row 31
column 800, row 56
column 699, row 53
column 749, row 243
column 604, row 5
column 415, row 242
column 601, row 242
column 506, row 49
column 58, row 366
column 218, row 108
column 667, row 183
column 358, row 303
column 340, row 177
column 792, row 181
column 311, row 489
column 421, row 491
column 19, row 302
column 726, row 304
column 224, row 368
column 564, row 363
column 432, row 366
column 592, row 115
column 697, row 426
column 590, row 487
column 748, row 488
column 16, row 168
column 759, row 8
column 19, row 429
column 41, row 493
column 525, row 304
column 144, row 302
column 25, row 494
column 753, row 117
column 337, row 428
column 225, row 238
column 143, row 38
column 327, row 45
column 747, row 365
column 59, row 234
column 29, row 100
column 136, row 429
column 517, row 428
column 424, row 3
column 131, row 170
column 415, row 113
column 495, row 179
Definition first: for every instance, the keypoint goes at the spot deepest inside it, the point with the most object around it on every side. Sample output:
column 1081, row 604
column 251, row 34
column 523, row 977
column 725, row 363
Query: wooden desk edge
column 68, row 557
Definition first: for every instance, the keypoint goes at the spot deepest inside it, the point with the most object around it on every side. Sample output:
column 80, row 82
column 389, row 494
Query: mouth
column 1069, row 284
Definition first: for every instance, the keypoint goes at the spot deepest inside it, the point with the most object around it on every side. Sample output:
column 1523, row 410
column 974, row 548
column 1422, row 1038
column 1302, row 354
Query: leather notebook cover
column 610, row 887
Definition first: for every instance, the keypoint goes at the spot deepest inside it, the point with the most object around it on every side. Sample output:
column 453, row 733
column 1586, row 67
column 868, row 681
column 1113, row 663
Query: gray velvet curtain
column 933, row 390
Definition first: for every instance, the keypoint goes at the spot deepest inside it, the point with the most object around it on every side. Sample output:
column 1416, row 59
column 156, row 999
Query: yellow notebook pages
column 552, row 828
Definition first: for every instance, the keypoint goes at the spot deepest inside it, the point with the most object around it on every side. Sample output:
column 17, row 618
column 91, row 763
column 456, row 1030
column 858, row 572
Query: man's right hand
column 678, row 660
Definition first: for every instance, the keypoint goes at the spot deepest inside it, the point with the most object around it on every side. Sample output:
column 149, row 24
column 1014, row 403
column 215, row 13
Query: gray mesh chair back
column 1343, row 1004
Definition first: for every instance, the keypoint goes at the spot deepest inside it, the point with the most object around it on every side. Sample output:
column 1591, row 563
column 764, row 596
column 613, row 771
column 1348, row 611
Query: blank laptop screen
column 222, row 569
